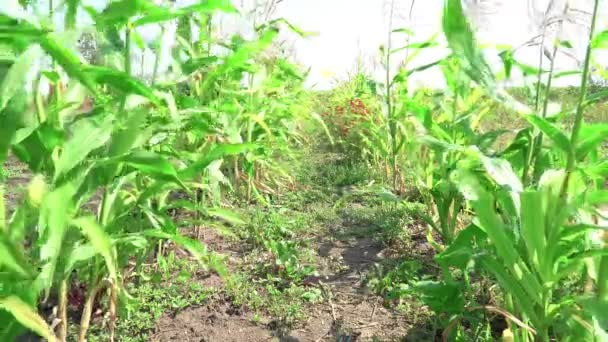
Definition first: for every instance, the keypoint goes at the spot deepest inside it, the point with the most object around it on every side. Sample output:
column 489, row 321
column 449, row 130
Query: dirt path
column 348, row 312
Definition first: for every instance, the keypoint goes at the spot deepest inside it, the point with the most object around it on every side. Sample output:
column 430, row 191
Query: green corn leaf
column 71, row 12
column 88, row 136
column 591, row 137
column 138, row 40
column 18, row 33
column 27, row 316
column 80, row 253
column 600, row 41
column 566, row 73
column 577, row 231
column 461, row 251
column 217, row 152
column 12, row 118
column 129, row 134
column 442, row 296
column 159, row 14
column 149, row 163
column 70, row 63
column 118, row 13
column 597, row 198
column 15, row 80
column 507, row 61
column 596, row 97
column 555, row 134
column 100, row 241
column 198, row 63
column 274, row 23
column 13, row 259
column 420, row 45
column 198, row 249
column 502, row 173
column 56, row 210
column 598, row 309
column 405, row 73
column 533, row 231
column 506, row 247
column 120, row 81
column 404, row 30
column 495, row 228
column 511, row 286
column 597, row 170
column 461, row 40
column 226, row 215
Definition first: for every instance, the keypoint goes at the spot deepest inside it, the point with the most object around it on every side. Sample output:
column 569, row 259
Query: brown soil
column 214, row 322
column 349, row 311
column 18, row 178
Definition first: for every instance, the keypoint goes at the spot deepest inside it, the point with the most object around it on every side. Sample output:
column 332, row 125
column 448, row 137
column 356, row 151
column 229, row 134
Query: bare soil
column 348, row 312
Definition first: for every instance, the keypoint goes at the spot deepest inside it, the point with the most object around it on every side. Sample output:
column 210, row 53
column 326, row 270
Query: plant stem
column 158, row 55
column 112, row 309
column 389, row 103
column 538, row 140
column 63, row 310
column 578, row 121
column 127, row 54
column 3, row 226
column 87, row 311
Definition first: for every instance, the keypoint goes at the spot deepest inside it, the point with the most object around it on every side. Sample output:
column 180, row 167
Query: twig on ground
column 371, row 318
column 322, row 336
column 329, row 299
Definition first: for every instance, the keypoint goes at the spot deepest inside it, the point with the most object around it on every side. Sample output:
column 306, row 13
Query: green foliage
column 510, row 187
column 108, row 162
column 275, row 232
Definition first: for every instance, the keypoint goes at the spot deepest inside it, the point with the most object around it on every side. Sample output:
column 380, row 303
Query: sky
column 349, row 28
column 348, row 31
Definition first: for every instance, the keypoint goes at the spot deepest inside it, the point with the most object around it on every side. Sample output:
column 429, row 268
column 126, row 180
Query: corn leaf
column 15, row 80
column 217, row 152
column 12, row 258
column 149, row 163
column 55, row 212
column 120, row 81
column 600, row 41
column 511, row 285
column 461, row 40
column 533, row 230
column 226, row 215
column 88, row 136
column 598, row 309
column 160, row 14
column 118, row 13
column 591, row 137
column 495, row 228
column 27, row 316
column 555, row 134
column 100, row 241
column 70, row 63
column 71, row 12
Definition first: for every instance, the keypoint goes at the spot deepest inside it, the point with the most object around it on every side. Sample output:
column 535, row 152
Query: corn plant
column 99, row 198
column 535, row 238
column 440, row 125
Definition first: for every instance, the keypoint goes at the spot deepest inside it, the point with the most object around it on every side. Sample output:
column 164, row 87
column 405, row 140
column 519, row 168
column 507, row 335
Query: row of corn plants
column 524, row 215
column 518, row 208
column 111, row 154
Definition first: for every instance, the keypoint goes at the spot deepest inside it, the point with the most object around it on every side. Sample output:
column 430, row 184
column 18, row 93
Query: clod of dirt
column 210, row 324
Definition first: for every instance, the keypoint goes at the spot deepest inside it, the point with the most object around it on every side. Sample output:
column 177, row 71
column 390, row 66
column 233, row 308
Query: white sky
column 348, row 29
column 351, row 27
